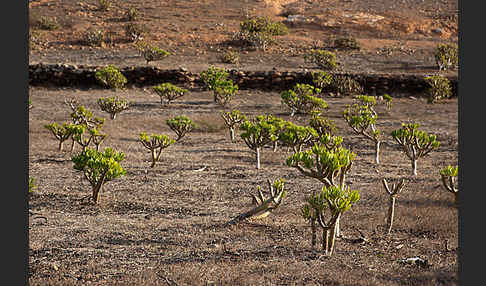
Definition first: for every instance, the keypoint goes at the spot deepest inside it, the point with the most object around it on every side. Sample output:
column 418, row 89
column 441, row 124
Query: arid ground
column 163, row 226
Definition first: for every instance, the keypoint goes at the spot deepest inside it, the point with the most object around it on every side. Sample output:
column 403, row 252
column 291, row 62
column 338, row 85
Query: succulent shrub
column 322, row 80
column 393, row 194
column 415, row 143
column 48, row 23
column 327, row 161
column 439, row 87
column 258, row 32
column 301, row 99
column 94, row 37
column 447, row 56
column 113, row 105
column 111, row 77
column 346, row 43
column 212, row 76
column 30, row 106
column 232, row 120
column 61, row 132
column 36, row 39
column 99, row 167
column 322, row 125
column 336, row 200
column 263, row 206
column 132, row 14
column 224, row 91
column 181, row 125
column 155, row 143
column 230, row 57
column 82, row 135
column 345, row 85
column 296, row 136
column 169, row 92
column 135, row 32
column 97, row 137
column 325, row 60
column 150, row 52
column 448, row 175
column 259, row 132
column 361, row 117
column 104, row 5
column 31, row 185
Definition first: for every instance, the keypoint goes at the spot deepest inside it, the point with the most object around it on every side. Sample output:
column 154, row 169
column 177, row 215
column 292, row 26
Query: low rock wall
column 71, row 75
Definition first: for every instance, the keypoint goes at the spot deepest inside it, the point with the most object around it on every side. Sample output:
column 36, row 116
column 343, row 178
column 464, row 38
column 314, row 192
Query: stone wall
column 71, row 75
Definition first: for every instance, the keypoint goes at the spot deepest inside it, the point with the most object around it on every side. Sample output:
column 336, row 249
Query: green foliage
column 29, row 102
column 346, row 43
column 224, row 91
column 113, row 105
column 259, row 132
column 181, row 125
column 361, row 117
column 94, row 37
column 169, row 92
column 104, row 5
column 447, row 56
column 155, row 143
column 81, row 115
column 150, row 52
column 325, row 60
column 263, row 25
column 322, row 80
column 259, row 32
column 111, row 77
column 132, row 14
column 230, row 57
column 233, row 119
column 449, row 171
column 47, row 23
column 99, row 167
column 61, row 132
column 296, row 136
column 439, row 87
column 31, row 186
column 135, row 32
column 301, row 99
column 212, row 76
column 322, row 125
column 415, row 143
column 388, row 100
column 345, row 85
column 340, row 199
column 326, row 161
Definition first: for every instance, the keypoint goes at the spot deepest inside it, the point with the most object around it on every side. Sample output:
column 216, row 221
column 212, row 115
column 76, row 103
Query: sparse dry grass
column 164, row 224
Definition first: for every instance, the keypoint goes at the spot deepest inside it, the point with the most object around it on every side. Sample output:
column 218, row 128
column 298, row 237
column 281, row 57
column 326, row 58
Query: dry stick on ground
column 393, row 192
column 263, row 207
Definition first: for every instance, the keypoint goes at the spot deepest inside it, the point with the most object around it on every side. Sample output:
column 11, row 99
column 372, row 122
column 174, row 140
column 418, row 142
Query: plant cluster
column 344, row 85
column 113, row 105
column 132, row 14
column 439, row 88
column 135, row 32
column 302, row 99
column 94, row 37
column 169, row 92
column 325, row 60
column 31, row 185
column 447, row 56
column 258, row 32
column 230, row 57
column 99, row 167
column 111, row 77
column 47, row 23
column 448, row 175
column 232, row 120
column 414, row 142
column 338, row 200
column 155, row 143
column 150, row 52
column 181, row 125
column 361, row 117
column 346, row 43
column 104, row 5
column 217, row 80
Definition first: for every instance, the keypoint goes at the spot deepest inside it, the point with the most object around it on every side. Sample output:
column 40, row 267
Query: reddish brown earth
column 164, row 225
